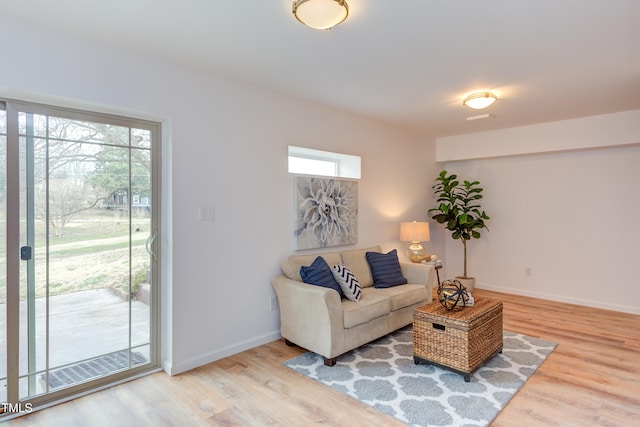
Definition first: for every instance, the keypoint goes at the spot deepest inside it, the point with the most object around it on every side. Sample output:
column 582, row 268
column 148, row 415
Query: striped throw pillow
column 319, row 273
column 385, row 269
column 347, row 281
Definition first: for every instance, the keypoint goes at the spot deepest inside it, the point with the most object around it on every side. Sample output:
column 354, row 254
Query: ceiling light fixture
column 480, row 100
column 320, row 14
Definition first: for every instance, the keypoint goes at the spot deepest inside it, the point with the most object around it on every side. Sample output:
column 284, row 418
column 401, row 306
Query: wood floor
column 591, row 379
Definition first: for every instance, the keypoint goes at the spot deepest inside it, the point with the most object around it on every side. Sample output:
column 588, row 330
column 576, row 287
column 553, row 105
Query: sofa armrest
column 310, row 316
column 420, row 274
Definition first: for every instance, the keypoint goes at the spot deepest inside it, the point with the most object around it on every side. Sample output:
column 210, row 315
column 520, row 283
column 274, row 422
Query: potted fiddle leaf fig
column 460, row 211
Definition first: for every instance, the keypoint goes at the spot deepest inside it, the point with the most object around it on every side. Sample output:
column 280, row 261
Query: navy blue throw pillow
column 319, row 274
column 385, row 269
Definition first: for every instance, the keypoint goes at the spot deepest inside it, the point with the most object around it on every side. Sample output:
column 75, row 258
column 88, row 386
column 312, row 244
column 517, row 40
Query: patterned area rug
column 382, row 374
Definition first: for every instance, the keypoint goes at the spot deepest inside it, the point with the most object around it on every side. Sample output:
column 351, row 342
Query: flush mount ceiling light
column 480, row 100
column 320, row 14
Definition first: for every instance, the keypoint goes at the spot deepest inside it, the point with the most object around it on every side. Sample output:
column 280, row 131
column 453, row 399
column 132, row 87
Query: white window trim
column 347, row 166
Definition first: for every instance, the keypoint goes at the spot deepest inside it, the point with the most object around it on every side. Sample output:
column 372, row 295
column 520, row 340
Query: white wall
column 225, row 145
column 570, row 217
column 606, row 130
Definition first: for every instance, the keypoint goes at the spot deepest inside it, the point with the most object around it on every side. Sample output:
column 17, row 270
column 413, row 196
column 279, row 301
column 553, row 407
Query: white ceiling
column 407, row 62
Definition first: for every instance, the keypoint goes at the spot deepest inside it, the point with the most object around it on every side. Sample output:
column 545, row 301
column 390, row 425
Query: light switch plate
column 207, row 213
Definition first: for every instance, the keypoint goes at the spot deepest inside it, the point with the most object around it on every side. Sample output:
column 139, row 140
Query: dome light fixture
column 320, row 14
column 480, row 100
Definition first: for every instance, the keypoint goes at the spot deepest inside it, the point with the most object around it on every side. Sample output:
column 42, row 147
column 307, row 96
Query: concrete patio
column 82, row 325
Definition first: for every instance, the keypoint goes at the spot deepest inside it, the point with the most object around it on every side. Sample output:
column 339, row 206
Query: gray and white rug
column 382, row 374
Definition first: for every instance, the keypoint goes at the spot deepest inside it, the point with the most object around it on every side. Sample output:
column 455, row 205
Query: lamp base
column 416, row 252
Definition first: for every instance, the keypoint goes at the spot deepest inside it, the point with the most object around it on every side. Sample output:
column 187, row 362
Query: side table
column 457, row 340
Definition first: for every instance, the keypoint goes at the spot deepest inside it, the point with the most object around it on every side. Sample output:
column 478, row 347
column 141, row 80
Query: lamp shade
column 480, row 100
column 414, row 231
column 320, row 14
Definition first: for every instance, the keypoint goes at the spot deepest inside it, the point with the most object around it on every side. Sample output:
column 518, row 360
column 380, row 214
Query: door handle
column 149, row 245
column 26, row 252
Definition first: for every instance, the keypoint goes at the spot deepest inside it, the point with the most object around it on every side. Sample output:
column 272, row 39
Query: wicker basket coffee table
column 457, row 340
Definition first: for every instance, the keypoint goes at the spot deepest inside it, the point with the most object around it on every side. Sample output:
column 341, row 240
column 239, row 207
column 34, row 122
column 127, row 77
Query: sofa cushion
column 404, row 295
column 385, row 269
column 291, row 265
column 356, row 261
column 319, row 274
column 371, row 306
column 347, row 281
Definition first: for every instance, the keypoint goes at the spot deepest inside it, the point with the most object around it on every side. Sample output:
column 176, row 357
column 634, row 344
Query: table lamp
column 415, row 232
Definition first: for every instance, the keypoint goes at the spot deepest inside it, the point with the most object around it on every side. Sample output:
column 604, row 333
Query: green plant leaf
column 440, row 218
column 458, row 208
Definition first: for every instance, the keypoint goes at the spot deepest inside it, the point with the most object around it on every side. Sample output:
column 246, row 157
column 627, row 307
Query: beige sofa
column 317, row 319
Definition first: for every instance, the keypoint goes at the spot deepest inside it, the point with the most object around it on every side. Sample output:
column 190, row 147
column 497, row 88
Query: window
column 324, row 163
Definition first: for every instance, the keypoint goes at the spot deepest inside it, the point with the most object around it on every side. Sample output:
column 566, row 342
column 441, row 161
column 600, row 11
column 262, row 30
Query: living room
column 561, row 203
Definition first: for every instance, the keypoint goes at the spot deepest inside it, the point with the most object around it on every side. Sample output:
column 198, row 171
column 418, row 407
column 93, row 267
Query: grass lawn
column 98, row 249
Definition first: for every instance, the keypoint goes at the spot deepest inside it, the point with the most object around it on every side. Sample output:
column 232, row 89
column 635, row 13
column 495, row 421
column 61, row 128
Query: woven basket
column 460, row 340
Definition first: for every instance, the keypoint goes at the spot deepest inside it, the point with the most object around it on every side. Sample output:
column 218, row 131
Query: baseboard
column 561, row 298
column 178, row 368
column 167, row 367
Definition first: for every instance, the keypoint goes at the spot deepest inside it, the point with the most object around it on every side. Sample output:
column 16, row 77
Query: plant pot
column 468, row 282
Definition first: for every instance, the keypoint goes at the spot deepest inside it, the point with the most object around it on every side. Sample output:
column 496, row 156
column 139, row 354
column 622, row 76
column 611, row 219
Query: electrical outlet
column 273, row 303
column 527, row 271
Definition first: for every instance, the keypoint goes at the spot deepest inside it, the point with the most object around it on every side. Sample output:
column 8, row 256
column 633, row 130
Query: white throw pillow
column 347, row 281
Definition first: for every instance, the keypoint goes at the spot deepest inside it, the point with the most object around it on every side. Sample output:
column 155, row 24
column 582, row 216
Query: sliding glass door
column 79, row 210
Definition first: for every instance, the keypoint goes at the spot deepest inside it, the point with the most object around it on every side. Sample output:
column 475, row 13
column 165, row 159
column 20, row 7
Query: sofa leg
column 330, row 362
column 289, row 343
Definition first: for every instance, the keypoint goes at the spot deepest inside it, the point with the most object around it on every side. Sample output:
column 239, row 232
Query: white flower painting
column 326, row 212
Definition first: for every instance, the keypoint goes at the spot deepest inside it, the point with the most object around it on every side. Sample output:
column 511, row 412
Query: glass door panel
column 32, row 204
column 142, row 239
column 86, row 241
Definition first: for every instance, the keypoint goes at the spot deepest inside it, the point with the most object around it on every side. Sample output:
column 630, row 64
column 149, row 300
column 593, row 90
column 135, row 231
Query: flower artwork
column 326, row 212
